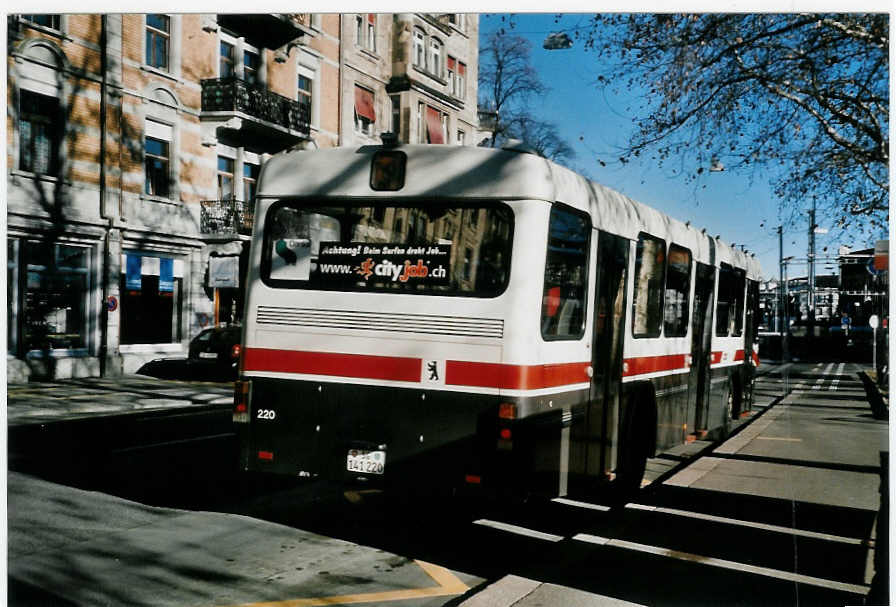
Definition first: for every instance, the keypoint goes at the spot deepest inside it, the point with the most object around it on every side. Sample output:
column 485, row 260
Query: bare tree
column 542, row 136
column 804, row 96
column 507, row 83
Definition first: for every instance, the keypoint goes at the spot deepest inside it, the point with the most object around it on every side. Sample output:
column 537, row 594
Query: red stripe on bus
column 716, row 358
column 328, row 363
column 739, row 355
column 654, row 364
column 514, row 377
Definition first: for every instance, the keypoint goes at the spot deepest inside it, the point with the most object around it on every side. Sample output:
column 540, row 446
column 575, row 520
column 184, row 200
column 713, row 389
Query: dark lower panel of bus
column 314, row 429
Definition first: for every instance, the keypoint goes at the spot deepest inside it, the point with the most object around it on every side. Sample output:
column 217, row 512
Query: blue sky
column 740, row 209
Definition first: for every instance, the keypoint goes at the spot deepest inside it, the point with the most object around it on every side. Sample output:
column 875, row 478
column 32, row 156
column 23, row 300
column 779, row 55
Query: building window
column 50, row 21
column 650, row 266
column 451, row 69
column 419, row 49
column 365, row 114
column 305, row 90
column 158, row 33
column 226, row 67
column 565, row 275
column 157, row 168
column 678, row 289
column 458, row 20
column 461, row 79
column 39, row 133
column 435, row 126
column 371, row 32
column 396, row 115
column 251, row 62
column 150, row 300
column 55, row 302
column 461, row 138
column 435, row 57
column 365, row 31
column 250, row 180
column 225, row 178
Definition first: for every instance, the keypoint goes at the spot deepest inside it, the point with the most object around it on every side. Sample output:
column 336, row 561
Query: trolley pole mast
column 780, row 317
column 812, row 226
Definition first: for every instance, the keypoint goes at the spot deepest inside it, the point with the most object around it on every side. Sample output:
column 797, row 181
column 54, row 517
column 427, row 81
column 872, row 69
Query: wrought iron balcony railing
column 228, row 216
column 234, row 94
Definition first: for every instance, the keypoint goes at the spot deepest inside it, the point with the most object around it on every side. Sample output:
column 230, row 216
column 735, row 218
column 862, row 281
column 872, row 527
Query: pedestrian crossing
column 823, row 377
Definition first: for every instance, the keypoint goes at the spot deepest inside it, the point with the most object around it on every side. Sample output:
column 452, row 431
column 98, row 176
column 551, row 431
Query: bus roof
column 450, row 171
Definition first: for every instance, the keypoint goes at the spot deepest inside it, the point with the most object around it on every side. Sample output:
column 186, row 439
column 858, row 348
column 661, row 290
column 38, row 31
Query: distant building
column 136, row 141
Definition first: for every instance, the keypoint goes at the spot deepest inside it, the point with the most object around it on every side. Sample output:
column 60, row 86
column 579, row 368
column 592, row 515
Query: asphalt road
column 780, row 514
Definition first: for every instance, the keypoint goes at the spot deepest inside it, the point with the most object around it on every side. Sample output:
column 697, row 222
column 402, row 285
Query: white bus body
column 546, row 337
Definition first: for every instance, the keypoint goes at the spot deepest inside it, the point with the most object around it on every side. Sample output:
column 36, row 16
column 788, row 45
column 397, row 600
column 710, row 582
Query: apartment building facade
column 135, row 143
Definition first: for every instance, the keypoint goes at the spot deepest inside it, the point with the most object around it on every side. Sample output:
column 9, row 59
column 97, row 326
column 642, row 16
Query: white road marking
column 539, row 535
column 784, row 438
column 820, row 382
column 837, row 379
column 724, row 564
column 568, row 502
column 733, row 521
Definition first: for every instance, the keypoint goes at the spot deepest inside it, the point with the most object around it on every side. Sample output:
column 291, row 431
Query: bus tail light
column 241, row 401
column 507, row 411
column 235, row 351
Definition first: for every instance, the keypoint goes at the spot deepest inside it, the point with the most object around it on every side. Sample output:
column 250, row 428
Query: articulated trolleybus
column 484, row 317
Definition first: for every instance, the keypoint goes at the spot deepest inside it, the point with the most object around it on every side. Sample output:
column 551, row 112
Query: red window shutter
column 461, row 68
column 434, row 125
column 364, row 104
column 371, row 18
column 451, row 63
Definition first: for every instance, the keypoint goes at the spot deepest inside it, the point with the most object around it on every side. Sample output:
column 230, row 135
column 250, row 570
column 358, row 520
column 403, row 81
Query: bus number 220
column 266, row 414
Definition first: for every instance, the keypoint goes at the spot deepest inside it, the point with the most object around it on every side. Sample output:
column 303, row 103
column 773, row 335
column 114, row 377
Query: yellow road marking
column 448, row 585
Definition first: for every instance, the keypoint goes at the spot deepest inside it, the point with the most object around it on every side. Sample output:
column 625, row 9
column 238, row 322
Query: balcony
column 254, row 115
column 228, row 216
column 270, row 30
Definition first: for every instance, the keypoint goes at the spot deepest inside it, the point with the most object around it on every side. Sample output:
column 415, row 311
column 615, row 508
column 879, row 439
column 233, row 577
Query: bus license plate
column 368, row 462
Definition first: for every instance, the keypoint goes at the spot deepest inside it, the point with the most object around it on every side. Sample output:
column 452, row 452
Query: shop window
column 650, row 266
column 158, row 37
column 565, row 274
column 678, row 286
column 150, row 300
column 461, row 138
column 55, row 302
column 39, row 133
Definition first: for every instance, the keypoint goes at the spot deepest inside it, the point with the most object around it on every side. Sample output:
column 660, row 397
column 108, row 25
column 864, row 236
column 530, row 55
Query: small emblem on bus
column 433, row 371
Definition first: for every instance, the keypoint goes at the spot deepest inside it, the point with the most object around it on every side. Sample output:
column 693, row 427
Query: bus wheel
column 634, row 447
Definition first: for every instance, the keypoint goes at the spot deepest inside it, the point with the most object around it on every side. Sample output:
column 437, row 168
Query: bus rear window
column 438, row 249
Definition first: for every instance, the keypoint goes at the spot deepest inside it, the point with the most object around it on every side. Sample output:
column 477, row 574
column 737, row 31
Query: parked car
column 215, row 353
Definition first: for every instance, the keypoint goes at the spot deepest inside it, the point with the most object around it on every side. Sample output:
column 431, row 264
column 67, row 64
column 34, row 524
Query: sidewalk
column 63, row 400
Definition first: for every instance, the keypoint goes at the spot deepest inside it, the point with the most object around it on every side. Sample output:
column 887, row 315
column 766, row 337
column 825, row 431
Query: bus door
column 701, row 349
column 751, row 338
column 595, row 440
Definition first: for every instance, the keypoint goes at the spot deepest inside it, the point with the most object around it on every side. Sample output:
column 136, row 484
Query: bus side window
column 650, row 269
column 565, row 274
column 678, row 288
column 730, row 305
